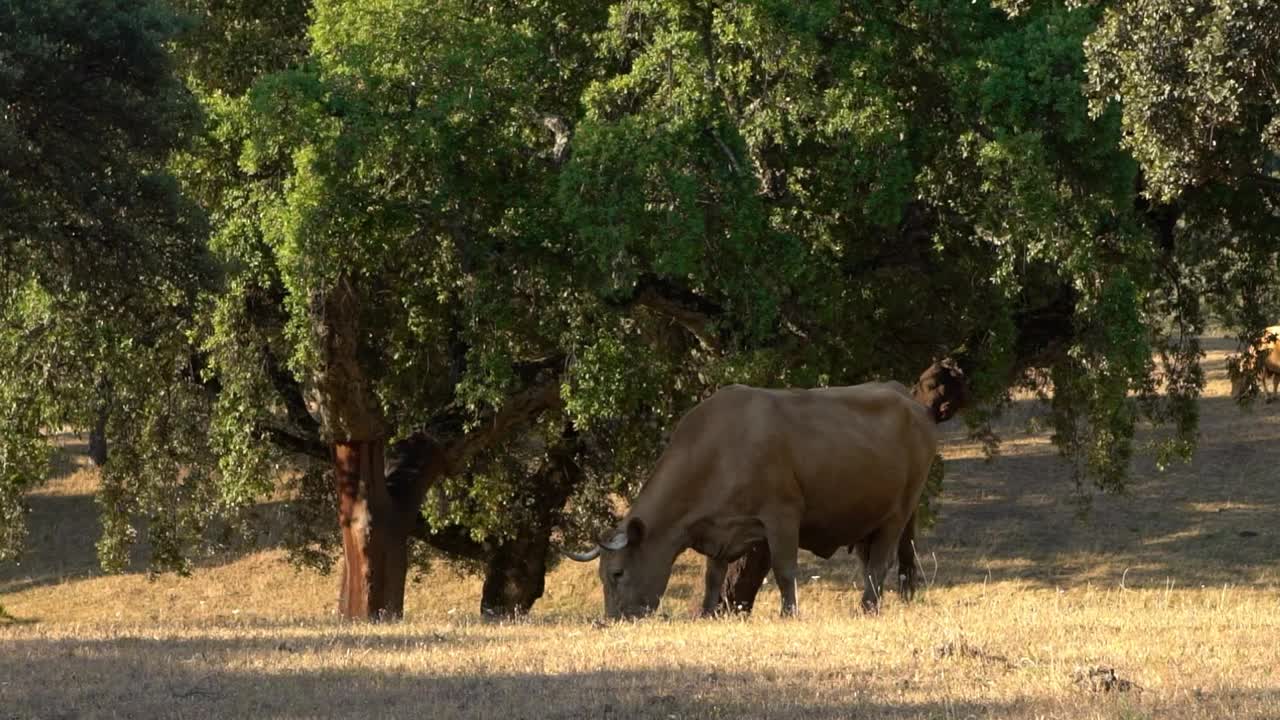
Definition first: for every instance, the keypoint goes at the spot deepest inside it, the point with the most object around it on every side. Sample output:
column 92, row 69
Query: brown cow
column 815, row 469
column 746, row 574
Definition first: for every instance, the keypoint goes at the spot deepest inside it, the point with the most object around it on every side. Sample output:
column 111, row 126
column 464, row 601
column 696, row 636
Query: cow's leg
column 743, row 581
column 784, row 548
column 880, row 552
column 908, row 571
column 716, row 569
column 863, row 549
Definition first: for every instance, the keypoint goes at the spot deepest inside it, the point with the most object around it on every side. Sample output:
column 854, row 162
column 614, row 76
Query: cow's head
column 634, row 570
column 943, row 389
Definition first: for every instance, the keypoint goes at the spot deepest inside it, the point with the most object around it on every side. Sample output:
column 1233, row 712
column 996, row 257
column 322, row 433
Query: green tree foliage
column 522, row 237
column 100, row 254
column 229, row 44
column 1196, row 86
column 855, row 188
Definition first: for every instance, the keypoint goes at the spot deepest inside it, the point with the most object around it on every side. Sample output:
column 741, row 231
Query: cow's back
column 840, row 460
column 862, row 457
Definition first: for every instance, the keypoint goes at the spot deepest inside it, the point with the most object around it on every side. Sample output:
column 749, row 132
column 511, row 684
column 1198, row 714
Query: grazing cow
column 816, row 469
column 1262, row 359
column 746, row 574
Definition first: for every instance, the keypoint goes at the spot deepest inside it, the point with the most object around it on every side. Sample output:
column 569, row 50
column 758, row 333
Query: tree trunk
column 374, row 542
column 514, row 576
column 378, row 511
column 375, row 537
column 742, row 582
column 98, row 433
column 516, row 570
column 98, row 439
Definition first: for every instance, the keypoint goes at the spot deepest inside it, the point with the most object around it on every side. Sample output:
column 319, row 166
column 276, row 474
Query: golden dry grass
column 1025, row 599
column 1000, row 651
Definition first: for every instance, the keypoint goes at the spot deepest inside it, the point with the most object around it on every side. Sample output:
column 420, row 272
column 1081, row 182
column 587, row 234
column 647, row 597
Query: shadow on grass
column 238, row 678
column 70, row 456
column 63, row 532
column 262, row 677
column 1211, row 522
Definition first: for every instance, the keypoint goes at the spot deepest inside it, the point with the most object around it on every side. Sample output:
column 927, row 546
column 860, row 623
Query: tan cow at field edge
column 816, row 469
column 1262, row 359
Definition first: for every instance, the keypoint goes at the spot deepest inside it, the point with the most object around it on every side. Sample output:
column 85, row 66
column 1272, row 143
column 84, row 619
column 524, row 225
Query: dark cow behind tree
column 816, row 469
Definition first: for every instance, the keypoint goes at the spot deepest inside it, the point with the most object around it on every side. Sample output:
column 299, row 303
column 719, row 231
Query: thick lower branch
column 310, row 446
column 516, row 411
column 452, row 540
column 563, row 133
column 692, row 311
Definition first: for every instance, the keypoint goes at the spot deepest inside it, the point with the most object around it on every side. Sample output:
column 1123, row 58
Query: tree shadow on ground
column 391, row 675
column 64, row 530
column 134, row 677
column 70, row 456
column 1210, row 522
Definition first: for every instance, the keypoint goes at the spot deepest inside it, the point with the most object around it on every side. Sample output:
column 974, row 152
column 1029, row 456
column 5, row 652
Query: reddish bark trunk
column 374, row 535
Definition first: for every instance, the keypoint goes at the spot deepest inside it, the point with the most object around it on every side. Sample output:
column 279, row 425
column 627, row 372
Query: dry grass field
column 1164, row 603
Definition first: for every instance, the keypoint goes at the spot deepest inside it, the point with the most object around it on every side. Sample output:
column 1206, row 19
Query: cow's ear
column 635, row 531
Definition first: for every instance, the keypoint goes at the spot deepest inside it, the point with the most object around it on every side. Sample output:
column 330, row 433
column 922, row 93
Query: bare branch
column 517, row 410
column 452, row 540
column 1267, row 182
column 563, row 132
column 692, row 311
column 311, row 447
column 733, row 161
column 697, row 323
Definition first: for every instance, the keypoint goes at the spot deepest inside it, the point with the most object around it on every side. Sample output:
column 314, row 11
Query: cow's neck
column 665, row 523
column 917, row 395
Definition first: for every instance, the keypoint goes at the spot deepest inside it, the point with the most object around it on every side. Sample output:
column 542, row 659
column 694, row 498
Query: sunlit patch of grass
column 1003, row 650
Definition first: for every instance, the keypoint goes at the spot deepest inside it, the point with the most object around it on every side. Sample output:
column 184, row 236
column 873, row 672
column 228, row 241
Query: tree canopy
column 101, row 255
column 504, row 245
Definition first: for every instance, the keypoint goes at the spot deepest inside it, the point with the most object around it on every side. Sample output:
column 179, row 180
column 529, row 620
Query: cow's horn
column 617, row 542
column 587, row 556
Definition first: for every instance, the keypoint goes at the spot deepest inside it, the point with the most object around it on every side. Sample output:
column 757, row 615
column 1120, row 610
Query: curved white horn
column 617, row 542
column 587, row 556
